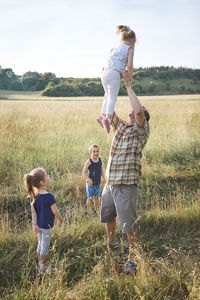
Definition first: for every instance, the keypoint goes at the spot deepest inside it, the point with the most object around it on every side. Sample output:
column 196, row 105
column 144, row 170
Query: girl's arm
column 36, row 229
column 85, row 170
column 56, row 213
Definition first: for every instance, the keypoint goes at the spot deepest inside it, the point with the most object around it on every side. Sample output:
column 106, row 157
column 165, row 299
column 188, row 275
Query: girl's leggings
column 111, row 85
column 44, row 239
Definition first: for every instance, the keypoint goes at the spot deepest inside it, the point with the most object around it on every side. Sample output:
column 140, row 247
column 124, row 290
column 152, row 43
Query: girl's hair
column 90, row 148
column 126, row 33
column 32, row 180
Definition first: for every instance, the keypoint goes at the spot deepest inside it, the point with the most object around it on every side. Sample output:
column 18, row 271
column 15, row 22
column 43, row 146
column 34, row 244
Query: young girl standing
column 93, row 172
column 44, row 210
column 120, row 62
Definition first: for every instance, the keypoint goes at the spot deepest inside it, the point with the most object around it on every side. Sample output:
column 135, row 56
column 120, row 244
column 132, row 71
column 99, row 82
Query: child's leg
column 105, row 99
column 113, row 90
column 96, row 203
column 96, row 198
column 104, row 106
column 90, row 194
column 88, row 205
column 46, row 238
column 39, row 246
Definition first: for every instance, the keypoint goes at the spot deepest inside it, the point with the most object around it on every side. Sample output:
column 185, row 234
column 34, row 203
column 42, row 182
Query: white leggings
column 111, row 85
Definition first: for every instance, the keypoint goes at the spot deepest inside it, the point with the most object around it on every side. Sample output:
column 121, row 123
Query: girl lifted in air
column 120, row 62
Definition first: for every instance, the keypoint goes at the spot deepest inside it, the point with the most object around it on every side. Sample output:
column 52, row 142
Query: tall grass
column 56, row 136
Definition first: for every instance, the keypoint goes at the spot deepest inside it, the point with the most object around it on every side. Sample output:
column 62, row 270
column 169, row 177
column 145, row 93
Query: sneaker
column 106, row 124
column 51, row 269
column 94, row 212
column 130, row 267
column 100, row 121
column 42, row 269
column 113, row 246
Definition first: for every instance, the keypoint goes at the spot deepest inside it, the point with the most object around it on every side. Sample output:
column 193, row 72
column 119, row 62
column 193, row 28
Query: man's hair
column 146, row 114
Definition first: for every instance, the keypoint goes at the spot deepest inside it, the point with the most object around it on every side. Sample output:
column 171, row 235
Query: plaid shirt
column 124, row 164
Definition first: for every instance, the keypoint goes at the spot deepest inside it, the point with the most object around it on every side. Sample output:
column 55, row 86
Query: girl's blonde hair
column 90, row 148
column 126, row 33
column 32, row 180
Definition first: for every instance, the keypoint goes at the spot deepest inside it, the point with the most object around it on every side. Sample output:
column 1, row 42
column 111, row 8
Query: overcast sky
column 72, row 38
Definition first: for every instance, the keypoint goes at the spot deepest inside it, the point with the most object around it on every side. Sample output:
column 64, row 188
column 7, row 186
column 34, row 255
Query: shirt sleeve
column 52, row 200
column 143, row 132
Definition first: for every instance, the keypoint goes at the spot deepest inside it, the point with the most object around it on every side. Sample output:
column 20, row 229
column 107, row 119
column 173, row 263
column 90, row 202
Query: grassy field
column 37, row 131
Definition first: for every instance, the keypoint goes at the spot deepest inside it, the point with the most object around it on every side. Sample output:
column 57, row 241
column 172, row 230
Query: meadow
column 55, row 133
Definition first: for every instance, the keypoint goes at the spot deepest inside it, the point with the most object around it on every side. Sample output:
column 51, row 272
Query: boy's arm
column 36, row 229
column 85, row 169
column 56, row 213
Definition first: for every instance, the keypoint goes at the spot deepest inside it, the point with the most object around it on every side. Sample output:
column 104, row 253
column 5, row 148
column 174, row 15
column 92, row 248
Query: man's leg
column 125, row 198
column 132, row 240
column 108, row 214
column 110, row 230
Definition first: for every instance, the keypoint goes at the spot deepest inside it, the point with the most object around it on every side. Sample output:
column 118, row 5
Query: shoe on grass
column 42, row 269
column 130, row 267
column 113, row 246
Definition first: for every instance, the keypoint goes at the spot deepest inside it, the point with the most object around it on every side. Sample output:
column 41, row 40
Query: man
column 123, row 173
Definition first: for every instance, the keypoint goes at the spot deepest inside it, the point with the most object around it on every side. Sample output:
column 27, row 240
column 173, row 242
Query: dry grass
column 56, row 135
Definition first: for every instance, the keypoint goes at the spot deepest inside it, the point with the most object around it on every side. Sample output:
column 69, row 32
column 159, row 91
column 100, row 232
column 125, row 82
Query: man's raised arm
column 137, row 107
column 135, row 103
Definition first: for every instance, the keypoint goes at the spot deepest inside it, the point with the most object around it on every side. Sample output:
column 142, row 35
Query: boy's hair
column 32, row 180
column 126, row 33
column 90, row 148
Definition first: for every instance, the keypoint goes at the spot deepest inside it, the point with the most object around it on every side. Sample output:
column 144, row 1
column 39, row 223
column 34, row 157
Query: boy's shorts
column 92, row 190
column 120, row 200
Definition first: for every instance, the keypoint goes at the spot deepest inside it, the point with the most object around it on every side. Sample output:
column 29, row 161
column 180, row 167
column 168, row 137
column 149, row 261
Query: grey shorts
column 120, row 200
column 44, row 239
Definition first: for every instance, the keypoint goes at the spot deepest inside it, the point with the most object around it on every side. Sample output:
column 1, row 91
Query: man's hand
column 127, row 74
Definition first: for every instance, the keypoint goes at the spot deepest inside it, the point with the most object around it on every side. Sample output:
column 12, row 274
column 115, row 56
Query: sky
column 72, row 38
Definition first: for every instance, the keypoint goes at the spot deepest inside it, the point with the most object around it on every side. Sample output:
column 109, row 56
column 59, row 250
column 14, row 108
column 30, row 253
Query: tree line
column 146, row 81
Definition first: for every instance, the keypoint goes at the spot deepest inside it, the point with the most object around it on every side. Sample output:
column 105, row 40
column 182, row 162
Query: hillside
column 146, row 81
